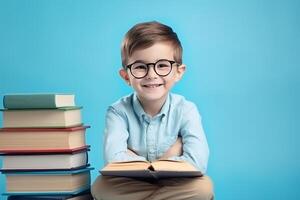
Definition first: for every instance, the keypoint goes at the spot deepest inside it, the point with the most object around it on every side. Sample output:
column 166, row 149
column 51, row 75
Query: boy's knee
column 96, row 188
column 102, row 188
column 204, row 194
column 203, row 189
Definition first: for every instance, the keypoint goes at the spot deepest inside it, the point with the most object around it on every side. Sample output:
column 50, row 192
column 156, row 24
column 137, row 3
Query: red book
column 39, row 140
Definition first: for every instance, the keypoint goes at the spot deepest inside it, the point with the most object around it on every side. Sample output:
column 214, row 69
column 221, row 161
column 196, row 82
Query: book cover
column 41, row 139
column 157, row 169
column 54, row 172
column 41, row 118
column 36, row 101
column 4, row 152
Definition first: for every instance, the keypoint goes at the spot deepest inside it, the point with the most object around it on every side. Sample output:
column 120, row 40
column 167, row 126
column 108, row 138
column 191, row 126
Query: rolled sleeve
column 195, row 147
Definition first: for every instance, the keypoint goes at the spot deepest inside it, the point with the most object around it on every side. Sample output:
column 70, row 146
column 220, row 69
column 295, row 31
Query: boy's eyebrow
column 144, row 61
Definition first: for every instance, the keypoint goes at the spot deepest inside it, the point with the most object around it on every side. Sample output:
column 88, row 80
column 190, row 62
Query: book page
column 172, row 165
column 124, row 166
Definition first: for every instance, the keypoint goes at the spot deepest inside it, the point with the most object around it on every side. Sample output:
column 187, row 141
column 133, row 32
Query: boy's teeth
column 153, row 86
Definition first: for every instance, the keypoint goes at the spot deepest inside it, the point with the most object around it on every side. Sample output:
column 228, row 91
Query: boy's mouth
column 152, row 85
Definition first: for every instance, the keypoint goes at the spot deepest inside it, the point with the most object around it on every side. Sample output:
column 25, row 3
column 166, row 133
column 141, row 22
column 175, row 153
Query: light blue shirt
column 127, row 126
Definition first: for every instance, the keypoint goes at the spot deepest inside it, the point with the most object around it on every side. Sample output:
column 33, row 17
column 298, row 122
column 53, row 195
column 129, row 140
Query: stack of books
column 43, row 147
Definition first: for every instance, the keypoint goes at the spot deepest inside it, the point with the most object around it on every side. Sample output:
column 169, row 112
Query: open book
column 157, row 169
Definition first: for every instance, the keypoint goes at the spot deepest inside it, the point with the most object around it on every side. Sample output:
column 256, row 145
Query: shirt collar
column 138, row 109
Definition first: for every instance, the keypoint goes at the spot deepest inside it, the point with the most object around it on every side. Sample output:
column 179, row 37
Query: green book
column 38, row 101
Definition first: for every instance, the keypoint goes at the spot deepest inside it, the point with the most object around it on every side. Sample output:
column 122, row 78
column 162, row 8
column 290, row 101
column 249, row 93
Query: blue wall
column 242, row 71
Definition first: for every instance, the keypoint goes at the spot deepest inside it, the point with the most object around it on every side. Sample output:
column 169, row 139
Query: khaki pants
column 121, row 188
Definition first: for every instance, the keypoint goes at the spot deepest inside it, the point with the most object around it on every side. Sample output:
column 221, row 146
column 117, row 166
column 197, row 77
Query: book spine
column 29, row 101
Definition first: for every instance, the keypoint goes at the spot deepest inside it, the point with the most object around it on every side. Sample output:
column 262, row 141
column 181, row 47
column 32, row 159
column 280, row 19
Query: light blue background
column 242, row 62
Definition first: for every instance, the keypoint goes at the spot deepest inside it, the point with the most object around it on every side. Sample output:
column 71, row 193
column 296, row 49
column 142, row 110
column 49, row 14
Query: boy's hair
column 144, row 35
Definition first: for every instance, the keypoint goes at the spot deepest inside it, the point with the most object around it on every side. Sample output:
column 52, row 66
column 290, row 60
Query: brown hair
column 144, row 35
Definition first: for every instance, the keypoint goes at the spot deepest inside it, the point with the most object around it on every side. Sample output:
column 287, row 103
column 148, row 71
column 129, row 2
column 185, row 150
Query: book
column 50, row 161
column 47, row 182
column 81, row 196
column 37, row 118
column 53, row 197
column 157, row 169
column 42, row 139
column 35, row 101
column 45, row 193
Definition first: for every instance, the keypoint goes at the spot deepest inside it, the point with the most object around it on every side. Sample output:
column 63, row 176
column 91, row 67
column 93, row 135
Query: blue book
column 86, row 195
column 52, row 194
column 64, row 182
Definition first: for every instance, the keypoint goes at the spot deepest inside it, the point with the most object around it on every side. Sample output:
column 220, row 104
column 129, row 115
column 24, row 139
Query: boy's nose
column 151, row 72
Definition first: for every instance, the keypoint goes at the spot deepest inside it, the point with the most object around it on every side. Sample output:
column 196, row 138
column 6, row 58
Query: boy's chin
column 153, row 97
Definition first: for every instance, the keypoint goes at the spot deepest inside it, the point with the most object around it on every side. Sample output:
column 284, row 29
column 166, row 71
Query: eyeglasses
column 140, row 70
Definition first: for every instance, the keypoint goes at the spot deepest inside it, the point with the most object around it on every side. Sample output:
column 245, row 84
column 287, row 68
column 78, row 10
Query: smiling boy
column 153, row 123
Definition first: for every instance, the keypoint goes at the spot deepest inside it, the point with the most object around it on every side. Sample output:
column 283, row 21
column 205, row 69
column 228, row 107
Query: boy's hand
column 130, row 152
column 174, row 150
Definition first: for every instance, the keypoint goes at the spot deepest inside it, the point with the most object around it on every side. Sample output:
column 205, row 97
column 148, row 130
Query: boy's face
column 153, row 87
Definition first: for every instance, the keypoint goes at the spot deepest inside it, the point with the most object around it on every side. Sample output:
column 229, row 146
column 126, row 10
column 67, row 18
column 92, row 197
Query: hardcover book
column 38, row 118
column 42, row 139
column 157, row 169
column 86, row 195
column 35, row 101
column 50, row 161
column 47, row 182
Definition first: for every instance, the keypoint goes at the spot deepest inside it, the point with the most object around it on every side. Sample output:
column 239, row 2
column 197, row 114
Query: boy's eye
column 162, row 65
column 139, row 66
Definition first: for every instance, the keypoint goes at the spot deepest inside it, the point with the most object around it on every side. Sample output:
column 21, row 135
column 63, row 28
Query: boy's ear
column 124, row 75
column 180, row 72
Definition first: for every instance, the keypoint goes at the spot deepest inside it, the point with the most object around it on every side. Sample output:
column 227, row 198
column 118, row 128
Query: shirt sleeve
column 195, row 147
column 115, row 138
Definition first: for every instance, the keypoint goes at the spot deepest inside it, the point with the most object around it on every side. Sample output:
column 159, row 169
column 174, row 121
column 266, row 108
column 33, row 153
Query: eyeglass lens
column 162, row 68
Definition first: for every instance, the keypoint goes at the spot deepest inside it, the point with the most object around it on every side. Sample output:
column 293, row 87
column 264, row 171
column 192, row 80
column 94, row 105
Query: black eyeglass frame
column 148, row 67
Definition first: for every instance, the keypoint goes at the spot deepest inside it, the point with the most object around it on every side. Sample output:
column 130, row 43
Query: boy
column 152, row 123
